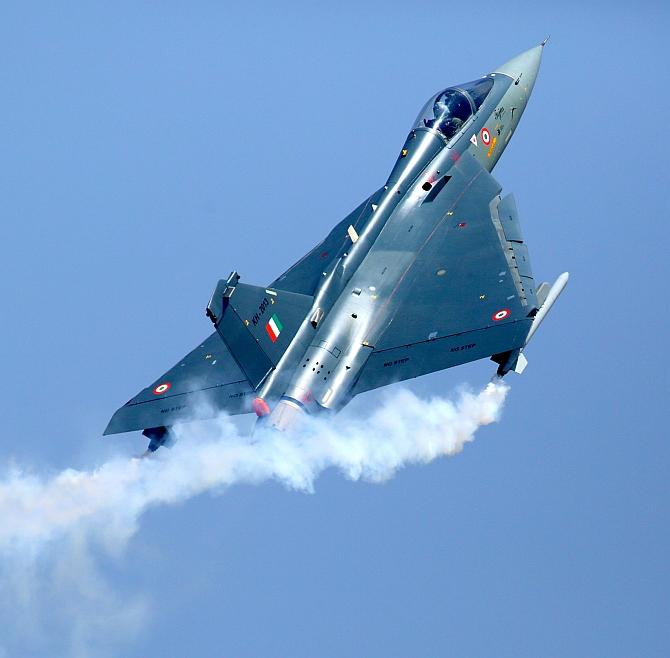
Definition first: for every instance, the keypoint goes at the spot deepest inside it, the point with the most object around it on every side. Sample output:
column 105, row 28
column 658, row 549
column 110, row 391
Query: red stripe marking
column 273, row 338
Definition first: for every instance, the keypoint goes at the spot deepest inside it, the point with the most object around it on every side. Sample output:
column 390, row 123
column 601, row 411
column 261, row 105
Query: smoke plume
column 51, row 520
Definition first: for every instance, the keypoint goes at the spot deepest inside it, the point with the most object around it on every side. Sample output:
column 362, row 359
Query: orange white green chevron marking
column 274, row 327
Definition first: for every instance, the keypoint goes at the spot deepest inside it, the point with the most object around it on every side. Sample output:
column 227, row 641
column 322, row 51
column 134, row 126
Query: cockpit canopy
column 448, row 110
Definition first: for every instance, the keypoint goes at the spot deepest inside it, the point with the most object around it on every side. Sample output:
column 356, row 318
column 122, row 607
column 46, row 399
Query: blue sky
column 149, row 149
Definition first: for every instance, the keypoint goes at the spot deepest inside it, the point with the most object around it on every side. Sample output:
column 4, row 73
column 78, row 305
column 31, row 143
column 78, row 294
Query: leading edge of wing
column 304, row 275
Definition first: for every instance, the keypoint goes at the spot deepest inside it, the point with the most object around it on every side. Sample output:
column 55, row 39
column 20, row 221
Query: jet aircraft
column 429, row 272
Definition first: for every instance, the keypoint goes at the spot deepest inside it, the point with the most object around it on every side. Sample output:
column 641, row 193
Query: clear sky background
column 150, row 148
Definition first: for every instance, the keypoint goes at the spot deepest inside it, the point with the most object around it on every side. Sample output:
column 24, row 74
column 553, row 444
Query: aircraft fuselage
column 362, row 286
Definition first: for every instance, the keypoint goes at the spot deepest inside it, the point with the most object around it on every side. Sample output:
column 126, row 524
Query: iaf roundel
column 500, row 315
column 162, row 388
column 486, row 136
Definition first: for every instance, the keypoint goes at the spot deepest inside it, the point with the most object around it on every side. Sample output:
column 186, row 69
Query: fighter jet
column 429, row 272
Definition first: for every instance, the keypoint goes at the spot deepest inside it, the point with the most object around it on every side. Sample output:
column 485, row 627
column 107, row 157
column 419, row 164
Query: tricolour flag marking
column 274, row 327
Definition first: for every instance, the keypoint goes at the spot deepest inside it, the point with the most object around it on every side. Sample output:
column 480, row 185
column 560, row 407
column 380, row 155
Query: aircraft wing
column 303, row 276
column 205, row 382
column 468, row 295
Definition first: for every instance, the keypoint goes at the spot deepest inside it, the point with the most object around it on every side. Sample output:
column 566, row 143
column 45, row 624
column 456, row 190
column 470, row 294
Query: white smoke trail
column 103, row 506
column 403, row 430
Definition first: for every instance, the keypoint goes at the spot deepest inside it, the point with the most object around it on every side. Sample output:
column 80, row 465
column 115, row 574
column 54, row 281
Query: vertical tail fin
column 257, row 324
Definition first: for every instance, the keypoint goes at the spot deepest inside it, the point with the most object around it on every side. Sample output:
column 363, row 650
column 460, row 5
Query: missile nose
column 524, row 67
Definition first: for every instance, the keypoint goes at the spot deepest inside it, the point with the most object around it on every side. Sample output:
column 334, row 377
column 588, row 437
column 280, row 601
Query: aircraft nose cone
column 523, row 67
